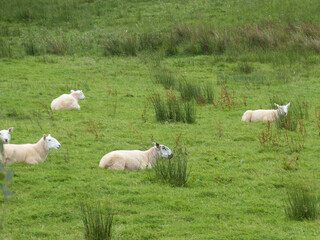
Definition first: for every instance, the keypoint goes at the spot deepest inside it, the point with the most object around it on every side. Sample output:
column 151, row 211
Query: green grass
column 241, row 53
column 49, row 192
column 129, row 28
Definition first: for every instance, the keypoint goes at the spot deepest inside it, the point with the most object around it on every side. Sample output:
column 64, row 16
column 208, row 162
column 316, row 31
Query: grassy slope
column 45, row 205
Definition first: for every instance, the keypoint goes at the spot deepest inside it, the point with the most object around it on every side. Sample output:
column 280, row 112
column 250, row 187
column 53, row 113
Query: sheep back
column 21, row 153
column 260, row 116
column 65, row 102
column 130, row 160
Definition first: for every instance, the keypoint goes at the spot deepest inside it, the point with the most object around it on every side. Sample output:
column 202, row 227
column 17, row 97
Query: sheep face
column 5, row 135
column 283, row 109
column 79, row 93
column 52, row 142
column 163, row 150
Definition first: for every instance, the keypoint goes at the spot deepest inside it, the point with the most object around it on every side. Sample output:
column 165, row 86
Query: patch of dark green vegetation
column 173, row 109
column 97, row 220
column 174, row 171
column 302, row 203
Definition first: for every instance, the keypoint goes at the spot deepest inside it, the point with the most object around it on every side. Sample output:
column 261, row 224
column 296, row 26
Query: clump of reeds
column 173, row 109
column 202, row 94
column 166, row 78
column 97, row 221
column 302, row 203
column 174, row 171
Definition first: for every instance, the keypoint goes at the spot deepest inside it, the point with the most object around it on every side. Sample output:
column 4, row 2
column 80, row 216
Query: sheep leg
column 76, row 106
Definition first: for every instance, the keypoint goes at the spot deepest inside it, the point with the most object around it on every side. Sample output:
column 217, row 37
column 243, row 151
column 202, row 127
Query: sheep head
column 5, row 135
column 78, row 94
column 283, row 109
column 163, row 150
column 52, row 142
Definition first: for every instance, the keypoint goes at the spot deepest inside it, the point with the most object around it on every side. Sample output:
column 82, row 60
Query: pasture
column 240, row 172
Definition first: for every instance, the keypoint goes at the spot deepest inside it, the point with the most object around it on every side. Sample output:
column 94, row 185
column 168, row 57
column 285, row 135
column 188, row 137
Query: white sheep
column 30, row 153
column 271, row 115
column 132, row 160
column 5, row 135
column 68, row 101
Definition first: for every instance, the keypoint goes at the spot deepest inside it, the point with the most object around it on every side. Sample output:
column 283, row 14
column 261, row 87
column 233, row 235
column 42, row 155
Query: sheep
column 271, row 115
column 30, row 153
column 133, row 160
column 68, row 101
column 5, row 135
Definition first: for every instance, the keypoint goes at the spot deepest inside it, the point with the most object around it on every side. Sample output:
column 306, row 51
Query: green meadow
column 122, row 53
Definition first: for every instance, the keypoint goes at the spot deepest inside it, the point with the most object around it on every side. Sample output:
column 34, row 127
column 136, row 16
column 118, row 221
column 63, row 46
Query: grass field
column 240, row 173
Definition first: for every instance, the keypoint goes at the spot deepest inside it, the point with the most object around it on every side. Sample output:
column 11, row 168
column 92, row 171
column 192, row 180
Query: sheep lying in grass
column 68, row 101
column 30, row 153
column 271, row 115
column 134, row 159
column 5, row 135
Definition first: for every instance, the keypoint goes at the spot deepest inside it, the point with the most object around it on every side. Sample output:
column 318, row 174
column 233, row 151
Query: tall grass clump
column 59, row 45
column 297, row 111
column 166, row 78
column 5, row 48
column 160, row 108
column 174, row 171
column 245, row 67
column 302, row 203
column 191, row 91
column 202, row 39
column 208, row 92
column 125, row 45
column 173, row 110
column 97, row 220
column 151, row 41
column 190, row 110
column 34, row 44
column 202, row 94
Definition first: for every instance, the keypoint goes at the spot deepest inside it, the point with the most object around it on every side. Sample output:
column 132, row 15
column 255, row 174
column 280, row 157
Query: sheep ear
column 72, row 91
column 288, row 104
column 276, row 105
column 44, row 137
column 156, row 145
column 49, row 135
column 10, row 129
